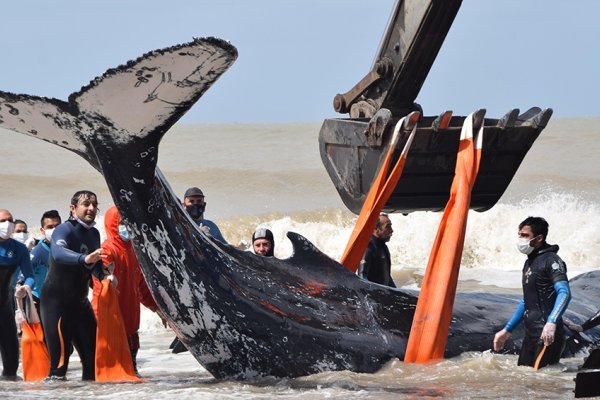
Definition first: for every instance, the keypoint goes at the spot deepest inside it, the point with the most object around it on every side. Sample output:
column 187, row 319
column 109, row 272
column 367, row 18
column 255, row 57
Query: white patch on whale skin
column 159, row 248
column 125, row 195
column 188, row 295
column 164, row 295
column 185, row 300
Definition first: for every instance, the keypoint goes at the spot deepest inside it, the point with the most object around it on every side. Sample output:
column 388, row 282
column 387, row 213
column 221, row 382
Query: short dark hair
column 82, row 193
column 51, row 214
column 538, row 225
column 20, row 221
column 378, row 224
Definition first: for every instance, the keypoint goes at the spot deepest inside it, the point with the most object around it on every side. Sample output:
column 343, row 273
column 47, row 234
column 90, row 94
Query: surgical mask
column 20, row 237
column 48, row 234
column 123, row 233
column 90, row 226
column 6, row 229
column 195, row 210
column 524, row 247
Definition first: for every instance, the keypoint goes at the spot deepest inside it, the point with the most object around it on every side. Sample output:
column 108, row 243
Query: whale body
column 239, row 314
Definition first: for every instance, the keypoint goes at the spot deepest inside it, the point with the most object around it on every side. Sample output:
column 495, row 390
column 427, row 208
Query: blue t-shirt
column 13, row 253
column 40, row 260
column 214, row 229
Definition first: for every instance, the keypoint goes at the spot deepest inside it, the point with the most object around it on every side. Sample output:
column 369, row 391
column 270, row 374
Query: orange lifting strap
column 378, row 195
column 35, row 358
column 429, row 331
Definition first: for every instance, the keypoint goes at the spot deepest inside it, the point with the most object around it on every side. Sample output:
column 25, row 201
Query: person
column 195, row 205
column 132, row 288
column 66, row 312
column 40, row 255
column 21, row 235
column 546, row 295
column 263, row 243
column 13, row 255
column 376, row 264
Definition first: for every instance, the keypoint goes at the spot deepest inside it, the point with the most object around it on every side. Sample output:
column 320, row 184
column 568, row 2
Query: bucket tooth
column 442, row 122
column 479, row 118
column 533, row 111
column 509, row 119
column 540, row 120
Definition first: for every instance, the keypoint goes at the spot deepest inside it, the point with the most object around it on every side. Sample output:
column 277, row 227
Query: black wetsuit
column 67, row 314
column 542, row 270
column 376, row 263
column 13, row 255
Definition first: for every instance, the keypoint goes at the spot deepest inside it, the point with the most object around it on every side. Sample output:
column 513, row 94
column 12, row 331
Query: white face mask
column 90, row 226
column 20, row 237
column 6, row 229
column 48, row 234
column 524, row 247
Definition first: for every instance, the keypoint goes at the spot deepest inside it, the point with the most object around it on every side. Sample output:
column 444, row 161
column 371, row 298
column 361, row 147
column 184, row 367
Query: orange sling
column 35, row 358
column 431, row 323
column 378, row 195
column 113, row 358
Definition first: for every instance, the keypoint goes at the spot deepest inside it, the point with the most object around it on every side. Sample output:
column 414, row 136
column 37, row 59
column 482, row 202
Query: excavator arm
column 412, row 40
column 352, row 148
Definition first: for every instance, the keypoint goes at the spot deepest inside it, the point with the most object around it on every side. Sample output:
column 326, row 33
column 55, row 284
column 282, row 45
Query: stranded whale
column 240, row 315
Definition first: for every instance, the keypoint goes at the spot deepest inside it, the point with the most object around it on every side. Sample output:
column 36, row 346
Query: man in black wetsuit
column 67, row 315
column 376, row 263
column 546, row 295
column 13, row 255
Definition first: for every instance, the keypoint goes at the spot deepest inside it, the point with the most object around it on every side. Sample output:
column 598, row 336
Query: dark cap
column 193, row 191
column 263, row 233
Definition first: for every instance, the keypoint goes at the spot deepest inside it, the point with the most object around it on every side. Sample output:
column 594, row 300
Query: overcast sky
column 294, row 56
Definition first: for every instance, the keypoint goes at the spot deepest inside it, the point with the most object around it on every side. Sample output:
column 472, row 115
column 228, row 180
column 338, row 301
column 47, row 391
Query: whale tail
column 135, row 102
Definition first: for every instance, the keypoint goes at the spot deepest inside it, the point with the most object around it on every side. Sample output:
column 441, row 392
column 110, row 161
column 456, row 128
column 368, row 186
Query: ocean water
column 272, row 175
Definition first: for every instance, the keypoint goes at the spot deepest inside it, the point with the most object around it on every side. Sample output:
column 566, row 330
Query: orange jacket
column 131, row 286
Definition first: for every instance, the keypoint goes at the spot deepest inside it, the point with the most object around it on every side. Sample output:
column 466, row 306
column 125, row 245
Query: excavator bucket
column 352, row 162
column 352, row 149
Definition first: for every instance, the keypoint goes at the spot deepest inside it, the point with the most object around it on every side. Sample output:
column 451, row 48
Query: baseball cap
column 193, row 191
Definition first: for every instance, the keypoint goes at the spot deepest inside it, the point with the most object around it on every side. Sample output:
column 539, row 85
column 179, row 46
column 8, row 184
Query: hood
column 545, row 248
column 548, row 248
column 111, row 225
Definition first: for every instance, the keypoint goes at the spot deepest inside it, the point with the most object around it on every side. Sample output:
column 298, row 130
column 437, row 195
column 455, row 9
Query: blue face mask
column 123, row 232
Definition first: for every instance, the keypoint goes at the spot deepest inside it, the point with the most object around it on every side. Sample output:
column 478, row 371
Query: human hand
column 205, row 229
column 109, row 268
column 19, row 320
column 243, row 245
column 500, row 338
column 548, row 333
column 113, row 280
column 94, row 257
column 572, row 325
column 21, row 291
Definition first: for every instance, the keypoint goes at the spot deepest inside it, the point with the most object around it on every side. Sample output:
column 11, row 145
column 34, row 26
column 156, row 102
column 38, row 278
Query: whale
column 240, row 315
